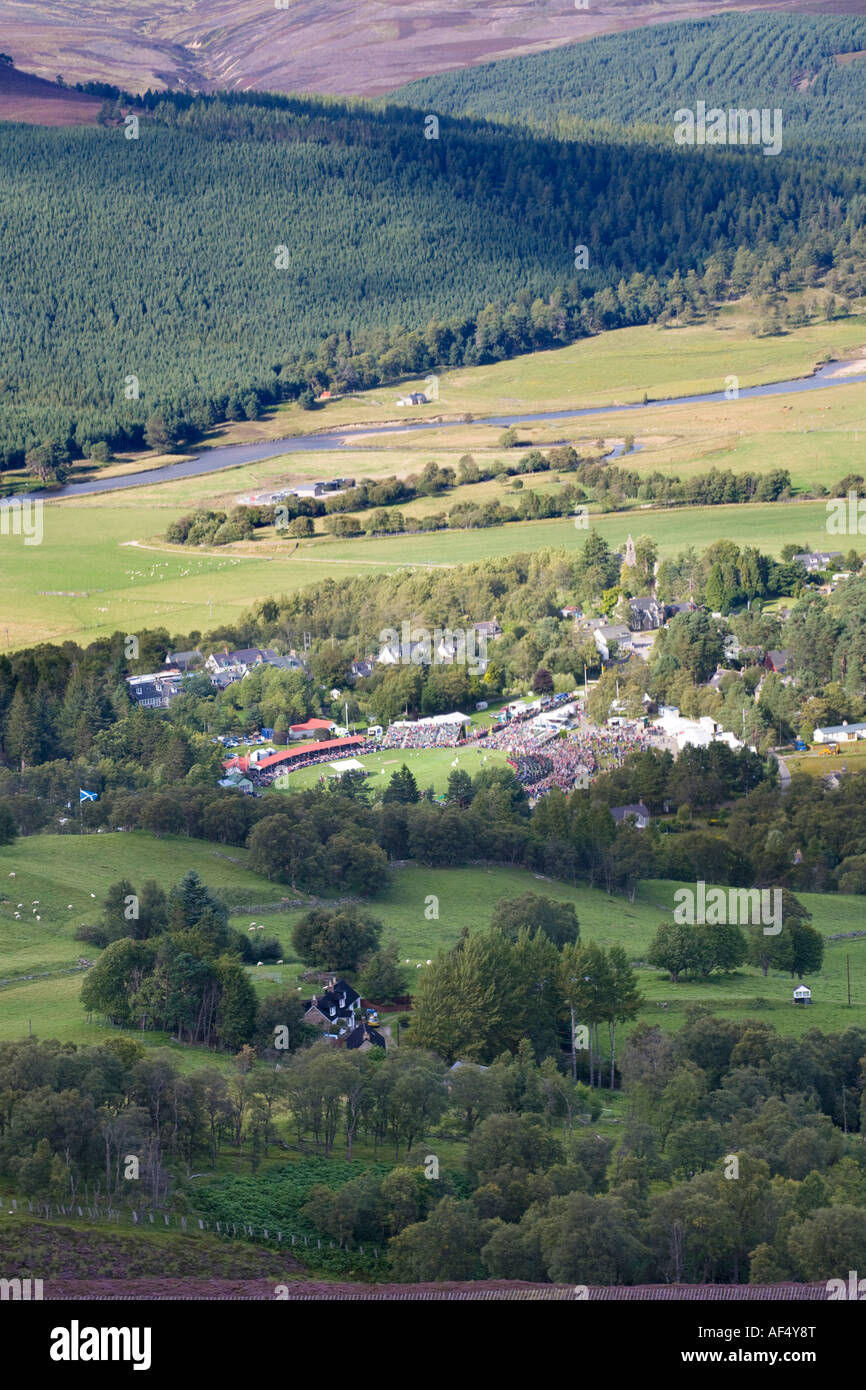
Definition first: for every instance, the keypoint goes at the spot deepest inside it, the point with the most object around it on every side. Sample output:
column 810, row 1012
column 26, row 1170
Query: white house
column 608, row 634
column 802, row 995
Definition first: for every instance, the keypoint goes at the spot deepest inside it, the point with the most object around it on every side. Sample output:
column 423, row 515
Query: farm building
column 802, row 995
column 839, row 733
column 362, row 1038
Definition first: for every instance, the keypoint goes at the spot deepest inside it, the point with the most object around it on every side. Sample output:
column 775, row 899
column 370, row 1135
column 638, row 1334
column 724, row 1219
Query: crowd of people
column 424, row 734
column 564, row 764
column 543, row 759
column 610, row 746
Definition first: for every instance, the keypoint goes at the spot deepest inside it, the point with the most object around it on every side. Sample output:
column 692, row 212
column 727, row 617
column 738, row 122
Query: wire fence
column 158, row 1219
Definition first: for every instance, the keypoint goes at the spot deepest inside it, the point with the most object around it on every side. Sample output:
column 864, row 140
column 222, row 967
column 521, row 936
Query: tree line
column 530, row 1190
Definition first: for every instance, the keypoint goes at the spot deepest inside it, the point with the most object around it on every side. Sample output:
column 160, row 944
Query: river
column 231, row 455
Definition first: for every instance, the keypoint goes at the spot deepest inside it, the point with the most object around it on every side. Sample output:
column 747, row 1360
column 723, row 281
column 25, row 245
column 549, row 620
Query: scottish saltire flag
column 87, row 796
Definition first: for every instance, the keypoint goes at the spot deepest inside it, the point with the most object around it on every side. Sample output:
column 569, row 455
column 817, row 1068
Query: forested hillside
column 157, row 258
column 814, row 69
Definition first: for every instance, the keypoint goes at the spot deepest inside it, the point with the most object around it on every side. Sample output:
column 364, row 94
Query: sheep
column 259, row 962
column 279, row 962
column 93, row 895
column 35, row 902
column 17, row 916
column 69, row 905
column 20, row 904
column 12, row 875
column 38, row 918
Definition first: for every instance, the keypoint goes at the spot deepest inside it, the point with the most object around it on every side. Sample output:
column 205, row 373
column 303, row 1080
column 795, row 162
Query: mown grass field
column 431, row 767
column 851, row 757
column 423, row 909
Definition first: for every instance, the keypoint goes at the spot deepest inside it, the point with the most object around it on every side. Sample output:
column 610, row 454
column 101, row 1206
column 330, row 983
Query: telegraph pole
column 848, row 968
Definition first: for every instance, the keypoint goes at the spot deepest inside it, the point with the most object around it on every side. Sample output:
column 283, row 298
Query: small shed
column 802, row 995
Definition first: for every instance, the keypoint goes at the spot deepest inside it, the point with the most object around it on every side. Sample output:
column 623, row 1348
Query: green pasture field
column 58, row 870
column 62, row 869
column 466, row 897
column 90, row 577
column 767, row 525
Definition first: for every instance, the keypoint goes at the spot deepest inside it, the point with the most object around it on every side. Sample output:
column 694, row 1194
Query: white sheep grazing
column 20, row 904
column 93, row 895
column 259, row 962
column 35, row 902
column 18, row 916
column 69, row 905
column 38, row 918
column 250, row 928
column 279, row 962
column 12, row 875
